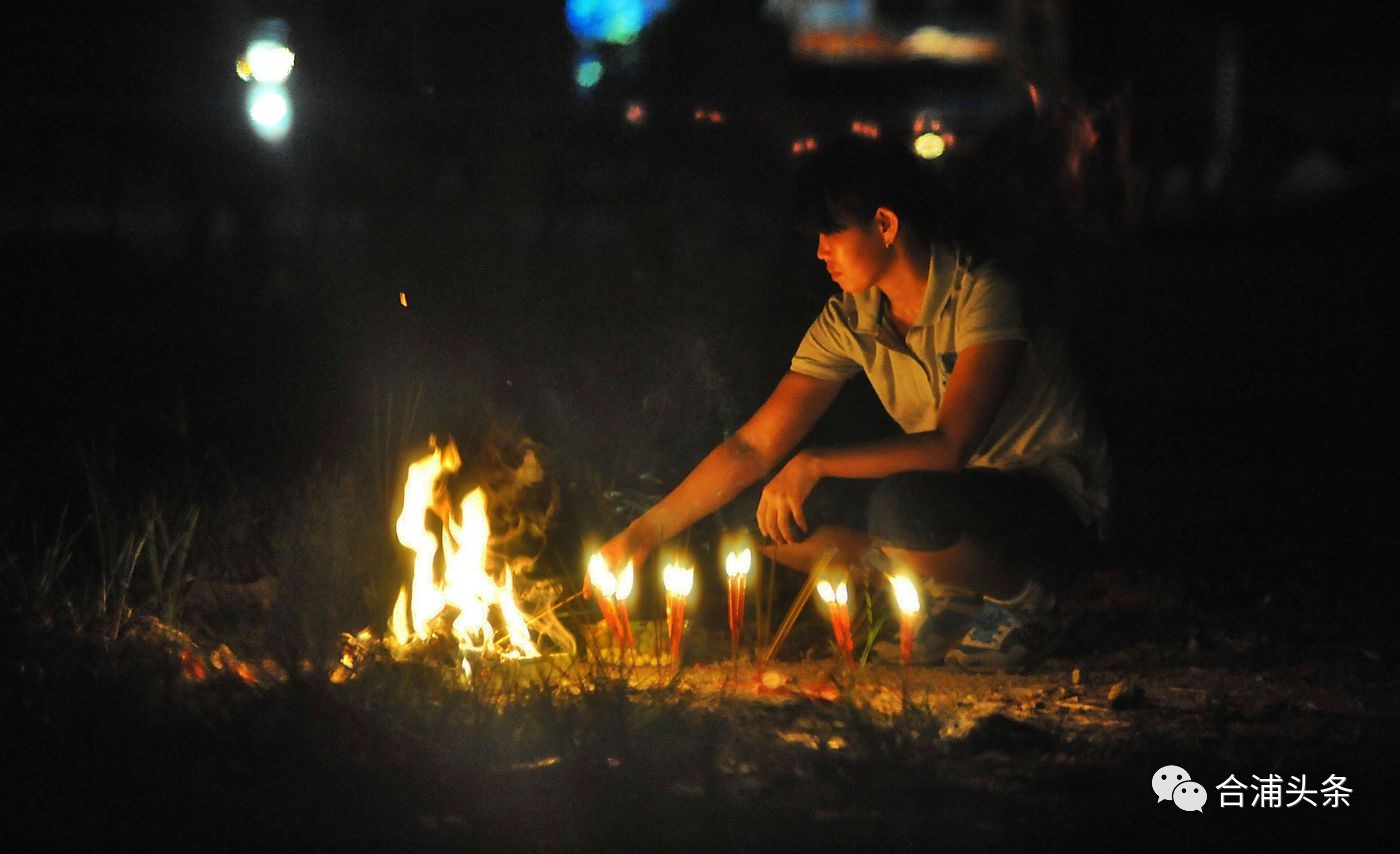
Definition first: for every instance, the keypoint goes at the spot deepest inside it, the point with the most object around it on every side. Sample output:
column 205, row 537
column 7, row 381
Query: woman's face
column 855, row 257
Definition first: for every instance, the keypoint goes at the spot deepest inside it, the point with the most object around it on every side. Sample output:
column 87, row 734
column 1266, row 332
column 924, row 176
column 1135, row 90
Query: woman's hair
column 841, row 183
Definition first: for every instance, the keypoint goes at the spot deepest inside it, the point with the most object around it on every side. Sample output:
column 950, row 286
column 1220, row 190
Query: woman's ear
column 887, row 224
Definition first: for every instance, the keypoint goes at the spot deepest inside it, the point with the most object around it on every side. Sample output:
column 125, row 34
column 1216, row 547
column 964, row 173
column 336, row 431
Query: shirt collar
column 866, row 310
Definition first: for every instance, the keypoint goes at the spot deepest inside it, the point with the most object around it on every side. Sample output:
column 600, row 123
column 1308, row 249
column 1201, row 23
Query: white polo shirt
column 1045, row 422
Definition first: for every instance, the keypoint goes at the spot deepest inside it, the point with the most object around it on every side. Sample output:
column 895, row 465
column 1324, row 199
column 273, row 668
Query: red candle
column 624, row 589
column 847, row 642
column 678, row 582
column 906, row 596
column 737, row 566
column 606, row 586
column 835, row 609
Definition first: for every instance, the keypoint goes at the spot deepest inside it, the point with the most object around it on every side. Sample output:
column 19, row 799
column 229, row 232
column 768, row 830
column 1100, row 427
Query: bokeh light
column 271, row 111
column 615, row 21
column 589, row 72
column 929, row 145
column 267, row 61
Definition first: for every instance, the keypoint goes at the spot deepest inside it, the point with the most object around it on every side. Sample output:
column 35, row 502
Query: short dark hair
column 843, row 182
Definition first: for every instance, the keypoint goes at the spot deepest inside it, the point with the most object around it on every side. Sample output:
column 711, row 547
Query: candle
column 737, row 566
column 847, row 642
column 624, row 589
column 678, row 582
column 603, row 581
column 906, row 596
column 836, row 608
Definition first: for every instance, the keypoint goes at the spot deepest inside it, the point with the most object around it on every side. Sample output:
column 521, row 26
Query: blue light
column 616, row 21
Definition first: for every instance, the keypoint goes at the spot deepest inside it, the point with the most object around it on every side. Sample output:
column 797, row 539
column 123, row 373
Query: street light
column 265, row 65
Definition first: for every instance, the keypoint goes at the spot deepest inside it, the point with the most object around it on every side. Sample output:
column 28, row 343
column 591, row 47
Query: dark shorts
column 1018, row 513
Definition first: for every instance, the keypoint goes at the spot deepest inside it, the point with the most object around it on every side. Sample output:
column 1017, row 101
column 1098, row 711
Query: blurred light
column 808, row 143
column 616, row 21
column 588, row 73
column 868, row 129
column 270, row 110
column 267, row 61
column 636, row 113
column 716, row 117
column 924, row 123
column 403, row 299
column 938, row 43
column 929, row 145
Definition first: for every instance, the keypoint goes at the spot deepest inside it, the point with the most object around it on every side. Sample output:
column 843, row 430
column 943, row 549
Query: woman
column 1001, row 476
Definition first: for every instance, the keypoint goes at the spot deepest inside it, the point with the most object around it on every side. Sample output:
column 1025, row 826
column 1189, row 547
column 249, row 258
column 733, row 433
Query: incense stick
column 798, row 603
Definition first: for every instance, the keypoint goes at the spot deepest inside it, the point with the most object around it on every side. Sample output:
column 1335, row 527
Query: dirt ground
column 806, row 754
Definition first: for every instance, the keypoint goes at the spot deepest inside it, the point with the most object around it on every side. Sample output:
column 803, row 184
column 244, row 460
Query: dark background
column 197, row 307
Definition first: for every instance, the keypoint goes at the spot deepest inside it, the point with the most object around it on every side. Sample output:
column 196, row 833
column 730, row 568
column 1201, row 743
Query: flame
column 841, row 594
column 824, row 590
column 465, row 584
column 905, row 594
column 602, row 580
column 616, row 587
column 678, row 580
column 738, row 564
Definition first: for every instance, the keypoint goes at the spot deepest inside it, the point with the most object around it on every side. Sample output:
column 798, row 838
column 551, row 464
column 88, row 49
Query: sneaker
column 1005, row 638
column 947, row 616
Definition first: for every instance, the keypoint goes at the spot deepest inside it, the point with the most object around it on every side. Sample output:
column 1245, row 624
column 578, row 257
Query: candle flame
column 738, row 564
column 905, row 594
column 602, row 580
column 841, row 593
column 678, row 579
column 824, row 590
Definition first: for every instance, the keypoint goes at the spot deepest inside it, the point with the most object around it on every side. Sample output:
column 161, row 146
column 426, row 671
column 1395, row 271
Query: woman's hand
column 780, row 506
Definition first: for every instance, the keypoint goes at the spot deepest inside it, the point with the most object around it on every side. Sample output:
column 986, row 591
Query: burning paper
column 465, row 586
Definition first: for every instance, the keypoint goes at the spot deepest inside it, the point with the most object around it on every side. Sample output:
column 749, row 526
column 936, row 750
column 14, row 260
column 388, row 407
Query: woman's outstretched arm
column 766, row 438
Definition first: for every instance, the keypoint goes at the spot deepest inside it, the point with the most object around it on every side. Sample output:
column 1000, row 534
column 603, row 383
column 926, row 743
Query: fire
column 465, row 586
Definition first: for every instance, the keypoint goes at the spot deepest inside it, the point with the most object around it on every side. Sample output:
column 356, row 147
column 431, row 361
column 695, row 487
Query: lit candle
column 828, row 595
column 678, row 582
column 906, row 596
column 737, row 566
column 847, row 643
column 603, row 581
column 624, row 589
